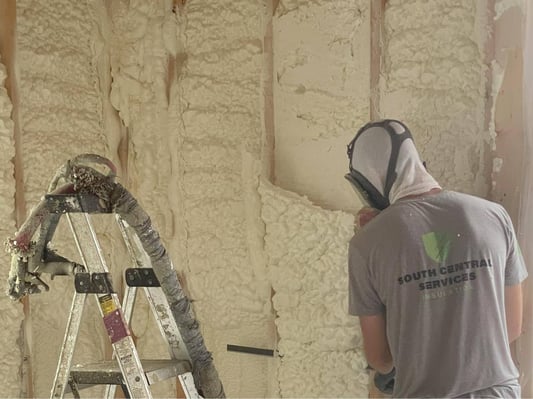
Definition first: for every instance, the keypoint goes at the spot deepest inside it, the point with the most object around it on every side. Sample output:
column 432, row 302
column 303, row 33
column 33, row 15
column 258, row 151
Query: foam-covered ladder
column 126, row 369
column 77, row 190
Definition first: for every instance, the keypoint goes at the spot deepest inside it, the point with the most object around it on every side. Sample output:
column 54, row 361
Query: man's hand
column 365, row 215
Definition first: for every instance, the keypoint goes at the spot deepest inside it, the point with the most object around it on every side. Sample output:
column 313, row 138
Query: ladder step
column 108, row 372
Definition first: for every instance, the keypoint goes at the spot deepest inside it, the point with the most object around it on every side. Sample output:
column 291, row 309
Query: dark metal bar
column 250, row 349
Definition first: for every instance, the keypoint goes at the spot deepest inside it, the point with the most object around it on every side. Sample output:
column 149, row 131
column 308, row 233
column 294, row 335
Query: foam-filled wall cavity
column 186, row 82
column 175, row 92
column 59, row 118
column 319, row 343
column 221, row 98
column 11, row 315
column 434, row 78
column 321, row 79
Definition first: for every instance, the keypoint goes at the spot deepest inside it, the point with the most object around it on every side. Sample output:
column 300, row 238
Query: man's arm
column 513, row 310
column 375, row 343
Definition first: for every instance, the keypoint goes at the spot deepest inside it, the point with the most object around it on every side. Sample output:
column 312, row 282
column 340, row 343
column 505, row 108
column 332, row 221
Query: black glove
column 385, row 382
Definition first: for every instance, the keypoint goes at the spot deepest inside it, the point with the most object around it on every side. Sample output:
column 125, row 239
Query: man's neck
column 435, row 190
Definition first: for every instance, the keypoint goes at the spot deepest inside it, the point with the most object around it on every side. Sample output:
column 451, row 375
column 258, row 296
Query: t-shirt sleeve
column 515, row 268
column 363, row 300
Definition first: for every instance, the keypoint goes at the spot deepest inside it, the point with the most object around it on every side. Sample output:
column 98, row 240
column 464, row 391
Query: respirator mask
column 367, row 192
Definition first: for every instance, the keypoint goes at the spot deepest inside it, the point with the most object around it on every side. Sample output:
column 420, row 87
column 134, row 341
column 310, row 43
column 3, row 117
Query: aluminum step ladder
column 126, row 369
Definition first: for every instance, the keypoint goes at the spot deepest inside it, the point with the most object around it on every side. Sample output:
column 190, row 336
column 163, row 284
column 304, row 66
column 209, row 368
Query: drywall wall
column 321, row 94
column 434, row 77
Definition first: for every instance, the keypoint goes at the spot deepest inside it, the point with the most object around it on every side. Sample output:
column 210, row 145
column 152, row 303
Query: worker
column 434, row 276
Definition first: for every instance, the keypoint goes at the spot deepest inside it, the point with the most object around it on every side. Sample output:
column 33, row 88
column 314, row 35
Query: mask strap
column 396, row 141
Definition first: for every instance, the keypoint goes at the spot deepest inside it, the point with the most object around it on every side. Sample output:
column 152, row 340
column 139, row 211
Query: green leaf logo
column 437, row 245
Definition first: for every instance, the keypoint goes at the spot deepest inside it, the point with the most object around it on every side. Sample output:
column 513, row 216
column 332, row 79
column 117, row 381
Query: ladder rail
column 67, row 349
column 128, row 304
column 156, row 298
column 110, row 309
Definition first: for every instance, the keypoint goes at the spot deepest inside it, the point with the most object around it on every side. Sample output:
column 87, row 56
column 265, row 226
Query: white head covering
column 373, row 149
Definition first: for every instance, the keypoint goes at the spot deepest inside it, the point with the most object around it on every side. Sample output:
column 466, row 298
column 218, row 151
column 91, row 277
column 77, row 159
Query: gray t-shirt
column 437, row 266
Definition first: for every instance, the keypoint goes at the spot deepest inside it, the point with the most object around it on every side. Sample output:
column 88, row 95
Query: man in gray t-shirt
column 435, row 278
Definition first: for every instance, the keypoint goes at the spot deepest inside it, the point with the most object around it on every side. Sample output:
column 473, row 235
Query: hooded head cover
column 385, row 165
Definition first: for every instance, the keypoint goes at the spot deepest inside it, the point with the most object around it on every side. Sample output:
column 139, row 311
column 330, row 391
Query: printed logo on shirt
column 437, row 245
column 443, row 280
